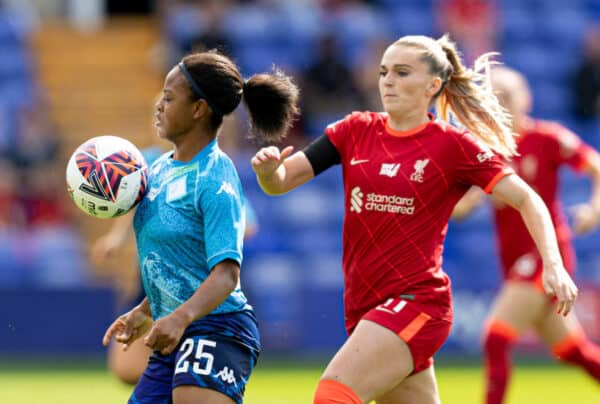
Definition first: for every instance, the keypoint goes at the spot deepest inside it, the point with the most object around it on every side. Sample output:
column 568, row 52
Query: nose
column 387, row 80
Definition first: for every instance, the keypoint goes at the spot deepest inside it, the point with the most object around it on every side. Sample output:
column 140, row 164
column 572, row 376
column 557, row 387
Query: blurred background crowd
column 74, row 69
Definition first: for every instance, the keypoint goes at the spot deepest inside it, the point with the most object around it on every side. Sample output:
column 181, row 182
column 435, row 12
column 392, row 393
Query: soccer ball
column 107, row 176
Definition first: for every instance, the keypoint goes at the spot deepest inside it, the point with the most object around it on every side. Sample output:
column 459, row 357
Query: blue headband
column 196, row 88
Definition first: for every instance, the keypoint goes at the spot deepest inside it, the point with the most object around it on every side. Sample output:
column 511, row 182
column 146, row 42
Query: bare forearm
column 144, row 306
column 595, row 196
column 122, row 228
column 211, row 293
column 289, row 172
column 538, row 222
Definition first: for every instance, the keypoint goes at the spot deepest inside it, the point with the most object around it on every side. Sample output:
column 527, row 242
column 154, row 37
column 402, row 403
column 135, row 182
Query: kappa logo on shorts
column 227, row 376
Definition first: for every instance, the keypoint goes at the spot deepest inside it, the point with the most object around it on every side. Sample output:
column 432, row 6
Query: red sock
column 498, row 340
column 578, row 350
column 334, row 392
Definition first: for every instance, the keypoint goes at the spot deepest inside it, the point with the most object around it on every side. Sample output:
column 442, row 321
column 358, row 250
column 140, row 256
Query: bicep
column 511, row 190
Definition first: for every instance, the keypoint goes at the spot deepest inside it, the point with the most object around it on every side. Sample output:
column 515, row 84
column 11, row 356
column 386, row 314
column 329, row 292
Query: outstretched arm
column 107, row 245
column 277, row 172
column 513, row 191
column 587, row 215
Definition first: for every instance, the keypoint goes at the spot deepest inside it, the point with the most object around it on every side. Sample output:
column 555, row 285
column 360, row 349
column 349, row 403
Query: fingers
column 114, row 327
column 271, row 153
column 285, row 153
column 169, row 348
column 150, row 339
column 566, row 295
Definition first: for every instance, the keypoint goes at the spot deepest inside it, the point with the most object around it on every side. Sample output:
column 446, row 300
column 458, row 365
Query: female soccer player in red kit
column 403, row 173
column 543, row 148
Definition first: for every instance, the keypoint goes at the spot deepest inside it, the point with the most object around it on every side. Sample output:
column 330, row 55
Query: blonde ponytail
column 466, row 94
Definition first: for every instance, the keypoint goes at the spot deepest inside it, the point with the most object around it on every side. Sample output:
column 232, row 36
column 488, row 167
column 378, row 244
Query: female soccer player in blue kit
column 189, row 229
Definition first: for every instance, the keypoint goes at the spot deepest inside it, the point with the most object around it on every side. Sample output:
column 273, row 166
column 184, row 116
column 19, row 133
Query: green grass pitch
column 281, row 384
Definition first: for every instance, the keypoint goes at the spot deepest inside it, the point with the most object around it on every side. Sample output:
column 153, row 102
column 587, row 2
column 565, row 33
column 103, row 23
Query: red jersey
column 400, row 189
column 543, row 147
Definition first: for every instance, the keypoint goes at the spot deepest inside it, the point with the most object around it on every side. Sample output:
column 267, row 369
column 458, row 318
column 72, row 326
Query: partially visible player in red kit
column 403, row 173
column 521, row 305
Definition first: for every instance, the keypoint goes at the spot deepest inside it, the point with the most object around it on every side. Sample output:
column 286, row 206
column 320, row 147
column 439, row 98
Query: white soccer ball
column 107, row 176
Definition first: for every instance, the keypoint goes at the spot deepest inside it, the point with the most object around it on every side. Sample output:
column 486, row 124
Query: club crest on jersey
column 417, row 175
column 177, row 189
column 389, row 169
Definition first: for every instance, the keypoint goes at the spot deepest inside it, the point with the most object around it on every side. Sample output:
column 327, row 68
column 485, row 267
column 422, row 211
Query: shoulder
column 156, row 162
column 544, row 127
column 219, row 167
column 555, row 132
column 452, row 134
column 360, row 118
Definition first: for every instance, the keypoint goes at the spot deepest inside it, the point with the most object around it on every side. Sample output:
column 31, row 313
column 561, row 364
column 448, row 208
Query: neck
column 186, row 147
column 520, row 123
column 408, row 121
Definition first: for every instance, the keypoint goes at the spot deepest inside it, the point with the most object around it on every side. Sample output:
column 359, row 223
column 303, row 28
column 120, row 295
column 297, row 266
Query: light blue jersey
column 191, row 219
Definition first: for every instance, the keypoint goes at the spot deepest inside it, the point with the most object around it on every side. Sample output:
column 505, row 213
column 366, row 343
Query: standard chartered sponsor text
column 390, row 203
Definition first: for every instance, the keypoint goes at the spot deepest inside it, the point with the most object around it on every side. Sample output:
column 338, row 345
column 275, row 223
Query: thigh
column 212, row 362
column 155, row 385
column 391, row 342
column 128, row 365
column 372, row 361
column 519, row 304
column 554, row 328
column 194, row 395
column 419, row 388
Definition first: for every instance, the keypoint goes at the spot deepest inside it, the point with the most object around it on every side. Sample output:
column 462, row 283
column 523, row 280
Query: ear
column 200, row 108
column 434, row 86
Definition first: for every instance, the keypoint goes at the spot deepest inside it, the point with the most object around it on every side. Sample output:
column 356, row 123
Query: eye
column 402, row 73
column 382, row 73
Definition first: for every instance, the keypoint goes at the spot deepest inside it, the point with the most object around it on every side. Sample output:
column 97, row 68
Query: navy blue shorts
column 205, row 359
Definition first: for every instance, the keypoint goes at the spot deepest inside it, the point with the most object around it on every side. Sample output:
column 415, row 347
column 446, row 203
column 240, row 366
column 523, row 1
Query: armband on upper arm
column 321, row 154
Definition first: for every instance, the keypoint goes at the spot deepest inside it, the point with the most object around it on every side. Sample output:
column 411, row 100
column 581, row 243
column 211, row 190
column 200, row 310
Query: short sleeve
column 478, row 165
column 338, row 132
column 220, row 202
column 570, row 149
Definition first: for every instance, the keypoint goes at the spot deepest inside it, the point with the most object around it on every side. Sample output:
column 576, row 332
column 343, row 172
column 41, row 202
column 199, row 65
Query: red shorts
column 423, row 333
column 529, row 267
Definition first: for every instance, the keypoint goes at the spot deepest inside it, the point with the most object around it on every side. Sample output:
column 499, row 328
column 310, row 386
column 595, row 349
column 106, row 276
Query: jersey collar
column 410, row 132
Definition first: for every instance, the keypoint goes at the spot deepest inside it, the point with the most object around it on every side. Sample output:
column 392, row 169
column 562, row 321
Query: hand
column 586, row 218
column 268, row 159
column 166, row 333
column 128, row 327
column 557, row 283
column 104, row 248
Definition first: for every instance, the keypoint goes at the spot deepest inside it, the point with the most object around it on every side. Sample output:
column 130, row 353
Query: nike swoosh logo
column 354, row 162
